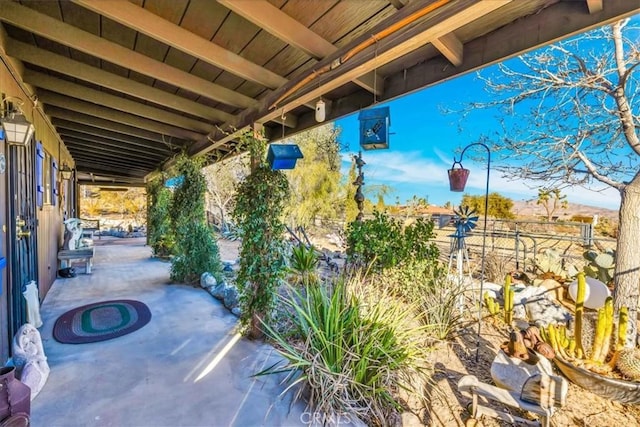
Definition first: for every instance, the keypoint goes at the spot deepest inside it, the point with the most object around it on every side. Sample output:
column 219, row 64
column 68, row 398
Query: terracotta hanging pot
column 458, row 177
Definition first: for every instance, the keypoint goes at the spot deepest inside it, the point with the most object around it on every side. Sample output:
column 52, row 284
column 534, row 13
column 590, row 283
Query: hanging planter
column 458, row 177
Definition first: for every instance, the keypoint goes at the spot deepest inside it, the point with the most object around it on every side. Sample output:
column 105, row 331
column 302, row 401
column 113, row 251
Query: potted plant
column 592, row 368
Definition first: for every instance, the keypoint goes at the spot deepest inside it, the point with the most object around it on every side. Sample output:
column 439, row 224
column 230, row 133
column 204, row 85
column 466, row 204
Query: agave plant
column 304, row 263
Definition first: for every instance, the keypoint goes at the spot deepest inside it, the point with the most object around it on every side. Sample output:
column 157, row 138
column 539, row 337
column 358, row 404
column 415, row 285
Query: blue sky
column 424, row 140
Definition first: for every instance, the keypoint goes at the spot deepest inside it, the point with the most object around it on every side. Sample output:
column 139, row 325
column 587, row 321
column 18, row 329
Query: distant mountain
column 530, row 208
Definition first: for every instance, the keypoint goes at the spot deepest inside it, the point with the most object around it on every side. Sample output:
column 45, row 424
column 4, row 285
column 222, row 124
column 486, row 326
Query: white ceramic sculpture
column 29, row 358
column 73, row 234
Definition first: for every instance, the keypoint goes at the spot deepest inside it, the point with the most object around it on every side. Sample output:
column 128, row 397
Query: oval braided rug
column 101, row 321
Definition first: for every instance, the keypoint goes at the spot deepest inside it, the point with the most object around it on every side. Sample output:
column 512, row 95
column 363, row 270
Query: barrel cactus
column 628, row 363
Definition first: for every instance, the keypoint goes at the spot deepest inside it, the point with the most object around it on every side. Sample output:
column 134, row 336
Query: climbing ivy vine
column 260, row 201
column 159, row 233
column 196, row 251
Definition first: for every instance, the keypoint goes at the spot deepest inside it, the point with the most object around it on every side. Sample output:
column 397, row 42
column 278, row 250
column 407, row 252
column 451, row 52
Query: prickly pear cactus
column 629, row 363
column 549, row 262
column 601, row 265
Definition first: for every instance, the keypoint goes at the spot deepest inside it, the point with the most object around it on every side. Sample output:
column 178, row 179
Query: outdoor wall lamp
column 17, row 129
column 457, row 181
column 283, row 156
column 66, row 172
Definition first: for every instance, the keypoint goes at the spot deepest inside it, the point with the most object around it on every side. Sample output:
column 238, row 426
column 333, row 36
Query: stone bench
column 65, row 256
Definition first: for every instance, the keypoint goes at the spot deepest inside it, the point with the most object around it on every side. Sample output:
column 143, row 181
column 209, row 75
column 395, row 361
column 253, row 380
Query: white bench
column 542, row 396
column 66, row 256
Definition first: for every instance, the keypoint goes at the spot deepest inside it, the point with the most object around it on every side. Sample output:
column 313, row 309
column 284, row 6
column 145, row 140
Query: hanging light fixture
column 321, row 111
column 17, row 129
column 66, row 172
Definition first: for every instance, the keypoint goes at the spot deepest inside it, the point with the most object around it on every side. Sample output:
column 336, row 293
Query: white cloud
column 403, row 167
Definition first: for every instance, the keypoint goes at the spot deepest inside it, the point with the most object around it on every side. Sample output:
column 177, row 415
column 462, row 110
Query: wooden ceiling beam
column 63, row 65
column 150, row 150
column 68, row 35
column 276, row 22
column 108, row 125
column 55, row 99
column 76, row 146
column 398, row 4
column 551, row 24
column 143, row 21
column 451, row 17
column 64, row 125
column 131, row 166
column 113, row 146
column 451, row 47
column 53, row 84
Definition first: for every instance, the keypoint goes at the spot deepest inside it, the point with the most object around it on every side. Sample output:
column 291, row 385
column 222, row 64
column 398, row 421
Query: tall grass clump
column 353, row 349
column 435, row 296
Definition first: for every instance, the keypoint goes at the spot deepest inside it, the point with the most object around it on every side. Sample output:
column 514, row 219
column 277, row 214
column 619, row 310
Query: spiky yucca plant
column 354, row 349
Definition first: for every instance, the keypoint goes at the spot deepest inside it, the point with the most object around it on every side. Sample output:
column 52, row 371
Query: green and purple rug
column 101, row 321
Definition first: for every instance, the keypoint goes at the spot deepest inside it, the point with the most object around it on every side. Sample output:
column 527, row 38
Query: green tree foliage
column 159, row 233
column 196, row 250
column 315, row 181
column 551, row 200
column 382, row 241
column 499, row 205
column 260, row 203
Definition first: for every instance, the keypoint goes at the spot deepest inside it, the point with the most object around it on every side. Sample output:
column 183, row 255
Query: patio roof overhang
column 128, row 85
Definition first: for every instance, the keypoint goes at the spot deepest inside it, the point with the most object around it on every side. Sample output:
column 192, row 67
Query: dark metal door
column 22, row 225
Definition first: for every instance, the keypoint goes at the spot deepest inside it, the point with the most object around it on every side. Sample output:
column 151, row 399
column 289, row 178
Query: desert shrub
column 382, row 242
column 436, row 297
column 355, row 347
column 497, row 265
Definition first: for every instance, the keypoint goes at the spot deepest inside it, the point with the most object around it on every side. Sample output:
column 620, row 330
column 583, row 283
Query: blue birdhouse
column 374, row 128
column 283, row 156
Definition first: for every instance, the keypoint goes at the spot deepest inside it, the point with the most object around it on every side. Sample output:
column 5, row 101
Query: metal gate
column 22, row 226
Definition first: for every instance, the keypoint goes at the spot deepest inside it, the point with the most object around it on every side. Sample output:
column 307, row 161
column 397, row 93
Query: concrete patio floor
column 164, row 374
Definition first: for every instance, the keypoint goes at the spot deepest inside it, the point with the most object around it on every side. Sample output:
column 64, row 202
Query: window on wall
column 46, row 179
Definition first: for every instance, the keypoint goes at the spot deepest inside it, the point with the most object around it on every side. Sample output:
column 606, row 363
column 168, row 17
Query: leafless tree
column 222, row 178
column 570, row 117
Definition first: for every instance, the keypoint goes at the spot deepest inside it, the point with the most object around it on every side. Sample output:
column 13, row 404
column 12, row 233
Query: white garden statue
column 73, row 234
column 29, row 358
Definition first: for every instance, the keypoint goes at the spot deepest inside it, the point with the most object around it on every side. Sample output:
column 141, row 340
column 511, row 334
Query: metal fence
column 518, row 242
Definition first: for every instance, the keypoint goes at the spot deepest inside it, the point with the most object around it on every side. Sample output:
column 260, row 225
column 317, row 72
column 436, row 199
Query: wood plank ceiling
column 129, row 84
